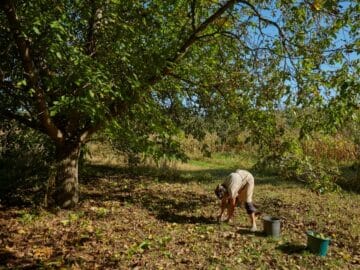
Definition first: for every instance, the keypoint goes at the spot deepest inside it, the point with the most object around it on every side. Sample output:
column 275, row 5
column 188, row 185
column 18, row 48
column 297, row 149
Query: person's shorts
column 250, row 208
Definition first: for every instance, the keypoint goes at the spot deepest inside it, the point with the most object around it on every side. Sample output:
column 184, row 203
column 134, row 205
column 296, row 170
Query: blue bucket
column 316, row 244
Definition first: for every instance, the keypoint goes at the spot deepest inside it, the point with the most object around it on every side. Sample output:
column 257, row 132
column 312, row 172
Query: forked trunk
column 67, row 191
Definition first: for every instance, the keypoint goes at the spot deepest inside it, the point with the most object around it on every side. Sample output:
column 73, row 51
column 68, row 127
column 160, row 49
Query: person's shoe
column 253, row 229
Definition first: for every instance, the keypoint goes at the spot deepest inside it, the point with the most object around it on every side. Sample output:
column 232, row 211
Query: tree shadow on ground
column 164, row 202
column 246, row 231
column 6, row 256
column 89, row 173
column 167, row 204
column 177, row 207
column 168, row 175
column 290, row 248
column 168, row 216
column 100, row 197
column 159, row 174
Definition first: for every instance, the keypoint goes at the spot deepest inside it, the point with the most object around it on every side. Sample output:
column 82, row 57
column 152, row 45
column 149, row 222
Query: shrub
column 320, row 177
column 289, row 161
column 24, row 162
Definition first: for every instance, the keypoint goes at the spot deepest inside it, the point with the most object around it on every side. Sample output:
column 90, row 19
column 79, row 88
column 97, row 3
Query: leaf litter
column 145, row 224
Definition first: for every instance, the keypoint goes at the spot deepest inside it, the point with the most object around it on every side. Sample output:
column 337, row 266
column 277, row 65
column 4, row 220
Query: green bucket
column 317, row 244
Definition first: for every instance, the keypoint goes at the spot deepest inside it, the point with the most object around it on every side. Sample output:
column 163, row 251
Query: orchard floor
column 165, row 220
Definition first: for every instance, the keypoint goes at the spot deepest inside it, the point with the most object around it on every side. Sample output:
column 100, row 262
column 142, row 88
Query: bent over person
column 237, row 187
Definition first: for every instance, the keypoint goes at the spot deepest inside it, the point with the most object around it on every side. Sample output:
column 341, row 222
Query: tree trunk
column 66, row 194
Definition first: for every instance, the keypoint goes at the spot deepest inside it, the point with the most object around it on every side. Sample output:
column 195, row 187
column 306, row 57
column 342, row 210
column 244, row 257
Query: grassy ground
column 164, row 219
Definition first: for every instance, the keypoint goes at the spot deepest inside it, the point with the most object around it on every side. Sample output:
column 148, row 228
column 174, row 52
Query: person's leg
column 250, row 208
column 253, row 222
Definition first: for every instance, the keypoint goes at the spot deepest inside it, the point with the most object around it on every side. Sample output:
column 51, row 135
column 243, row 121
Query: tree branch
column 276, row 25
column 90, row 43
column 30, row 72
column 217, row 85
column 194, row 36
column 22, row 119
column 88, row 131
column 180, row 53
column 192, row 13
column 261, row 18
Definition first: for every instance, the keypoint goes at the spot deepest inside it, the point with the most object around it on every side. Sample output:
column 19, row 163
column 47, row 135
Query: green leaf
column 21, row 83
column 36, row 30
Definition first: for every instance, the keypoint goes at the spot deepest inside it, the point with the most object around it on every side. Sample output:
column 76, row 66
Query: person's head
column 220, row 191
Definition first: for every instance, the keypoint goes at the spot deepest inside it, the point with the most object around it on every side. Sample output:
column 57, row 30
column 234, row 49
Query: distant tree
column 69, row 68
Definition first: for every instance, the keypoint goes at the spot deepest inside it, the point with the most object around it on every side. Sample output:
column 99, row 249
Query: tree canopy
column 69, row 68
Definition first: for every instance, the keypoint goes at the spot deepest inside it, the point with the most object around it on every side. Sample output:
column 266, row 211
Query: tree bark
column 66, row 194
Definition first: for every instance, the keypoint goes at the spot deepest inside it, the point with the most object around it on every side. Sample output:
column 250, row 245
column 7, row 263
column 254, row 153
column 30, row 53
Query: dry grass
column 337, row 148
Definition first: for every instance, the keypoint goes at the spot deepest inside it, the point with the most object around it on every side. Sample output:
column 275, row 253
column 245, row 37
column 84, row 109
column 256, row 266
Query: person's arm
column 222, row 206
column 231, row 208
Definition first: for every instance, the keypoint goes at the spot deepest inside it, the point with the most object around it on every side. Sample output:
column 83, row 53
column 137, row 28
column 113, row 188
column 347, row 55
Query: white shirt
column 235, row 181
